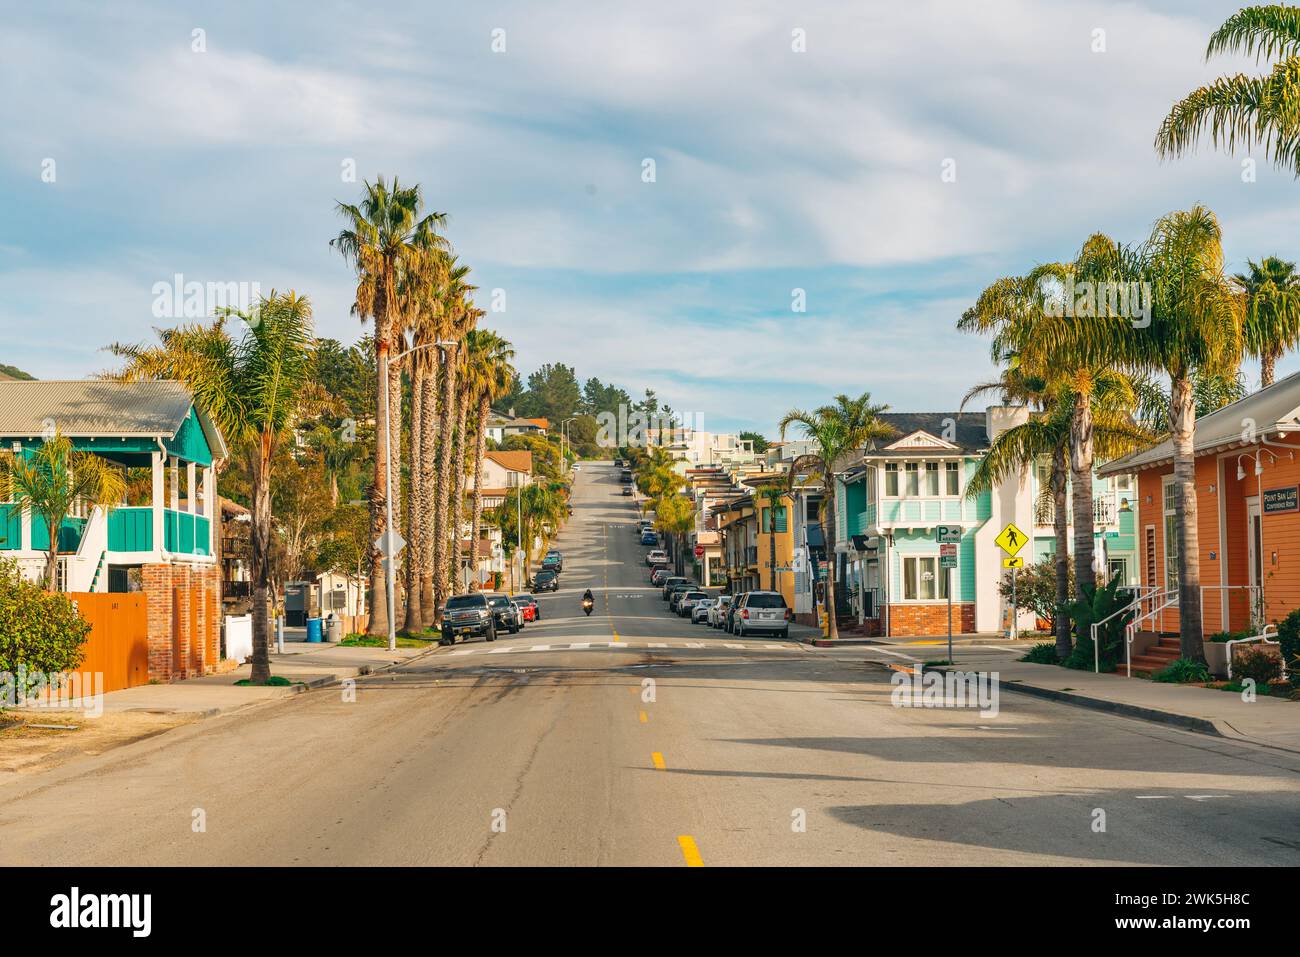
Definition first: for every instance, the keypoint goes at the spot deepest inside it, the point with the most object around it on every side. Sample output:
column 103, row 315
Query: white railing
column 1263, row 638
column 1146, row 605
column 1105, row 511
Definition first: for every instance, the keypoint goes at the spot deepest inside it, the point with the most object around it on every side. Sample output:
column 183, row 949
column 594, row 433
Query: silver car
column 718, row 610
column 761, row 611
column 700, row 611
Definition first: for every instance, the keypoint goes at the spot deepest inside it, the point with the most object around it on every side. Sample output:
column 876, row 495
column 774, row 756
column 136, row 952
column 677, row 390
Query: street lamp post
column 564, row 440
column 390, row 573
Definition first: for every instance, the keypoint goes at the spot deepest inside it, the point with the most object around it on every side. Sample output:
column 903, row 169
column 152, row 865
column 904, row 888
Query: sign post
column 948, row 537
column 1011, row 540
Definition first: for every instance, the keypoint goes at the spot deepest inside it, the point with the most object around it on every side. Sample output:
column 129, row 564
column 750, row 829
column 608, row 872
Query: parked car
column 678, row 590
column 729, row 621
column 649, row 538
column 762, row 611
column 506, row 613
column 553, row 561
column 669, row 582
column 687, row 601
column 658, row 574
column 545, row 580
column 467, row 616
column 627, row 490
column 528, row 605
column 718, row 610
column 656, row 556
column 700, row 611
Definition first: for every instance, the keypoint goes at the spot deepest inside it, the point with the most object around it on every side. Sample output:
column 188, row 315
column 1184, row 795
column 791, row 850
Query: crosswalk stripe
column 541, row 648
column 733, row 646
column 657, row 644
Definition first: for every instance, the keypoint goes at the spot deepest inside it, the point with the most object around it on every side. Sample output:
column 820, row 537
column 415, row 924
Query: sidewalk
column 305, row 665
column 1270, row 722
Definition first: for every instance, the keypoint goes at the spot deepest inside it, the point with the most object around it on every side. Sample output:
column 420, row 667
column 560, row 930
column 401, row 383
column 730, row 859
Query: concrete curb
column 1184, row 721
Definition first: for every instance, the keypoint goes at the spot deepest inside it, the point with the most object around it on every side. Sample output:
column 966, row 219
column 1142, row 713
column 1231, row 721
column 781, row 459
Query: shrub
column 1288, row 635
column 39, row 630
column 1258, row 664
column 1036, row 588
column 1043, row 653
column 1095, row 605
column 1183, row 671
column 1224, row 636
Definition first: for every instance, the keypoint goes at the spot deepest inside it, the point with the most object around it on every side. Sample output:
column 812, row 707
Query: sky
column 881, row 162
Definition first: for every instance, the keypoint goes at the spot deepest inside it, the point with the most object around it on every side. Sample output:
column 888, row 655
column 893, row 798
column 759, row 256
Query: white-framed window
column 932, row 478
column 1170, row 501
column 891, row 478
column 923, row 579
column 952, row 478
column 911, row 478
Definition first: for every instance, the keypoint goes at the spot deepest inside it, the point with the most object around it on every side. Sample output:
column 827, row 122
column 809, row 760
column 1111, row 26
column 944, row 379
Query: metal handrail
column 1130, row 629
column 1262, row 636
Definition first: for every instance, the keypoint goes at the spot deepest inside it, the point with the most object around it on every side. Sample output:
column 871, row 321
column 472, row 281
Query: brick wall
column 184, row 615
column 915, row 621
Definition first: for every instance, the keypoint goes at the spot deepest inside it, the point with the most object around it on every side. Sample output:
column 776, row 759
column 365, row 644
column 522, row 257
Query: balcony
column 1104, row 512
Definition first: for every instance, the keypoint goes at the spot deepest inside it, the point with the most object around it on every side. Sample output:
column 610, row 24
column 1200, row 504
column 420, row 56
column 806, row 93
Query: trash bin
column 333, row 629
column 314, row 629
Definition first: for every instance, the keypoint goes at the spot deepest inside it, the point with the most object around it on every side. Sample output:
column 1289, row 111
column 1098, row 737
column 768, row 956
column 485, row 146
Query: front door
column 1255, row 549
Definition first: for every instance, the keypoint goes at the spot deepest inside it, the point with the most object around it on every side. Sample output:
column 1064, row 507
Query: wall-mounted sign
column 1285, row 499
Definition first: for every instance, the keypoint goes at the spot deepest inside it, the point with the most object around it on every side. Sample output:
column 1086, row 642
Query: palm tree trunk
column 458, row 492
column 771, row 545
column 1081, row 455
column 442, row 533
column 415, row 511
column 52, row 556
column 378, row 598
column 259, row 560
column 430, row 427
column 480, row 450
column 1061, row 529
column 828, row 536
column 395, row 432
column 1267, row 362
column 1182, row 421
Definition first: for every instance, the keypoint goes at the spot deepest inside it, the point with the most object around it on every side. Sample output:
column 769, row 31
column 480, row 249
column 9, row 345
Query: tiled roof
column 514, row 461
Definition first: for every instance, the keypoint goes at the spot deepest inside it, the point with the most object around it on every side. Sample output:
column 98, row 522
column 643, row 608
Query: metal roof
column 99, row 408
column 1240, row 423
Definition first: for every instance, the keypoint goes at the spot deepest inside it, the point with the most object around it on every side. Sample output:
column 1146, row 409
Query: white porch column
column 157, row 500
column 174, row 495
column 191, row 491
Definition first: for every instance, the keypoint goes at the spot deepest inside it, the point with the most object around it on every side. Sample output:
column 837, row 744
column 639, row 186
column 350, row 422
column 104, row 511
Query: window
column 891, row 478
column 912, row 479
column 1117, row 566
column 1171, row 490
column 952, row 472
column 923, row 579
column 931, row 478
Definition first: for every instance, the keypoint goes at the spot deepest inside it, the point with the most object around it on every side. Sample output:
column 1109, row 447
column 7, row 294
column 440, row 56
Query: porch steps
column 1159, row 656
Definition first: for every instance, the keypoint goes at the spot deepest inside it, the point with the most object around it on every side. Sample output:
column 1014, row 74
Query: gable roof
column 514, row 461
column 948, row 432
column 1272, row 409
column 100, row 408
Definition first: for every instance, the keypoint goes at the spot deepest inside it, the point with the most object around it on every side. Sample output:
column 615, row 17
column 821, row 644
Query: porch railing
column 1147, row 604
column 1104, row 511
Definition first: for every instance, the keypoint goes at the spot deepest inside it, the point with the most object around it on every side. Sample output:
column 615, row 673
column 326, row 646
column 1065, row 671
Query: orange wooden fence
column 118, row 644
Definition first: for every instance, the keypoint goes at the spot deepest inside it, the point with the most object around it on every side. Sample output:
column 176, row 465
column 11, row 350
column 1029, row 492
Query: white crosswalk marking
column 653, row 644
column 502, row 650
column 695, row 644
column 579, row 646
column 541, row 648
column 464, row 651
column 728, row 645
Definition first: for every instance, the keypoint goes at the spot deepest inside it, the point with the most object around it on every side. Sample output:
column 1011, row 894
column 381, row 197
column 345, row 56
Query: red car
column 528, row 607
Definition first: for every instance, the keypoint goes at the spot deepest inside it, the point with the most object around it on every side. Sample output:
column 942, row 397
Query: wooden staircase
column 1159, row 656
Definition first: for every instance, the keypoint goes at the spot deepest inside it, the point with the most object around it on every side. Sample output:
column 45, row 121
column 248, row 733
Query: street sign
column 1011, row 539
column 947, row 534
column 1013, row 562
column 391, row 543
column 947, row 556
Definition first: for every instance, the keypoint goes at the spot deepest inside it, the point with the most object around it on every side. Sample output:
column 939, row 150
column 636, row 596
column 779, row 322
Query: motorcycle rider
column 588, row 601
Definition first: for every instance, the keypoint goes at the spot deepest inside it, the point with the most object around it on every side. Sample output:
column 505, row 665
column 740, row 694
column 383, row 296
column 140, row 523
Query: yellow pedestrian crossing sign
column 1011, row 539
column 1013, row 563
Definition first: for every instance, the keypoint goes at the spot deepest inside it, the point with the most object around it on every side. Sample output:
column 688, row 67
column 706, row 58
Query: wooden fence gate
column 118, row 644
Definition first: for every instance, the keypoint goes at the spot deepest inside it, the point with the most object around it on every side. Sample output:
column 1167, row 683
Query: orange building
column 1248, row 512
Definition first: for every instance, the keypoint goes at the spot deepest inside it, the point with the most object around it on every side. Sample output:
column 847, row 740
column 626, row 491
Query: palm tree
column 836, row 430
column 542, row 507
column 489, row 376
column 1272, row 320
column 773, row 496
column 254, row 387
column 49, row 481
column 384, row 236
column 1245, row 110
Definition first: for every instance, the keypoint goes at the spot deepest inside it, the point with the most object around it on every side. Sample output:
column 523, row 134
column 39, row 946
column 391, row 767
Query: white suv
column 657, row 557
column 762, row 611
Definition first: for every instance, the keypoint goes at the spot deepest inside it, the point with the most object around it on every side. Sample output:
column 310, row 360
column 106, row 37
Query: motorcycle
column 587, row 605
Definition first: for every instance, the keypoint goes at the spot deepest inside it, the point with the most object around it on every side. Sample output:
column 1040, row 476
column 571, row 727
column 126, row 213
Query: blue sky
column 775, row 170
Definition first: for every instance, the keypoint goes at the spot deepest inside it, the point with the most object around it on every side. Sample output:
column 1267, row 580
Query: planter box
column 1216, row 656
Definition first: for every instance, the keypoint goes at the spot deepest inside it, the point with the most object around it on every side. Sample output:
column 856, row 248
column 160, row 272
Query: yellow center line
column 644, row 717
column 658, row 760
column 689, row 850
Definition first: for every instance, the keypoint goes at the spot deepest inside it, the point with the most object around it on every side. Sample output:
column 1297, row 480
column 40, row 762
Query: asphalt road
column 634, row 738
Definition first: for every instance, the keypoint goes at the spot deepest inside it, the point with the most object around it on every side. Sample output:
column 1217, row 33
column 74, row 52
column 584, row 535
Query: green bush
column 1224, row 636
column 1095, row 605
column 1288, row 635
column 39, row 630
column 1258, row 664
column 1043, row 653
column 1183, row 671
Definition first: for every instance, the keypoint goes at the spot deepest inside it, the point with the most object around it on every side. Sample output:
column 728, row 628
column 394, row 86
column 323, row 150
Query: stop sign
column 699, row 551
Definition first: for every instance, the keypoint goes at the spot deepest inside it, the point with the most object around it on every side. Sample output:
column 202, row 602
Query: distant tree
column 761, row 444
